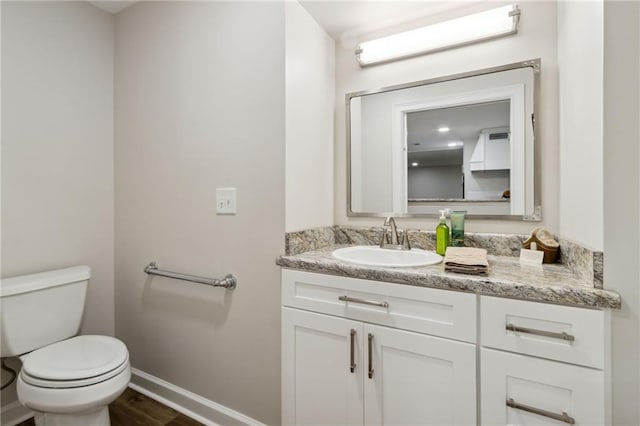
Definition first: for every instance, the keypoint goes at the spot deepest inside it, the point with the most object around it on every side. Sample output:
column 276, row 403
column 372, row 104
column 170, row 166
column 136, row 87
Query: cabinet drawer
column 521, row 390
column 437, row 312
column 563, row 333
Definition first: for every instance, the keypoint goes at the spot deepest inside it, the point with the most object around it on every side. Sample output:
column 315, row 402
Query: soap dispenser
column 457, row 228
column 442, row 234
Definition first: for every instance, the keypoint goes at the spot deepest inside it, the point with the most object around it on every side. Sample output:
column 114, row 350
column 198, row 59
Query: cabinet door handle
column 352, row 364
column 564, row 417
column 363, row 301
column 370, row 338
column 563, row 335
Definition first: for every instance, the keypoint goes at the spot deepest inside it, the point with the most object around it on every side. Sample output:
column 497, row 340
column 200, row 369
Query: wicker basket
column 545, row 242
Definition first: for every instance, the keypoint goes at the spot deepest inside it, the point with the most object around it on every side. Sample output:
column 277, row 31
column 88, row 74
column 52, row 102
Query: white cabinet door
column 522, row 390
column 417, row 379
column 492, row 151
column 497, row 154
column 476, row 162
column 318, row 384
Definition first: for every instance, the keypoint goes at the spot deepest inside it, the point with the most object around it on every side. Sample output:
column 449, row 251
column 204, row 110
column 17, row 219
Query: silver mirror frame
column 534, row 216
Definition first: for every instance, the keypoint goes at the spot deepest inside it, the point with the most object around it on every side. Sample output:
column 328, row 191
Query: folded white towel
column 466, row 260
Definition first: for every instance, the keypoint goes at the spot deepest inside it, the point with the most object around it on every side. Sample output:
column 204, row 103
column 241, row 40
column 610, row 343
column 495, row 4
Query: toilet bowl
column 81, row 375
column 65, row 380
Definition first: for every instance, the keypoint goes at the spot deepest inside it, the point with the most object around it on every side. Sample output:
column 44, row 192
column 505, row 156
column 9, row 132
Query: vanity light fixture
column 443, row 129
column 474, row 28
column 455, row 144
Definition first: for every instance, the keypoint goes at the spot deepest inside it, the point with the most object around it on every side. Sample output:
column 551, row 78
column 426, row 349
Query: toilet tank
column 39, row 309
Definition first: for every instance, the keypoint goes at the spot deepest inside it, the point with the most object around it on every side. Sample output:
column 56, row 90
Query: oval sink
column 376, row 256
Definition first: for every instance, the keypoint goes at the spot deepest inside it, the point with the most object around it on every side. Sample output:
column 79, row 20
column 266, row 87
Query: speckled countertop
column 554, row 283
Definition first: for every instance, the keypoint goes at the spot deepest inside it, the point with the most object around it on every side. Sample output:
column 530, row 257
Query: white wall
column 57, row 147
column 435, row 182
column 536, row 38
column 621, row 106
column 580, row 55
column 200, row 104
column 310, row 95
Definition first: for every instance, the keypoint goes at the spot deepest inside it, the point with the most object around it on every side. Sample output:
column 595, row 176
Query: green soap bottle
column 442, row 234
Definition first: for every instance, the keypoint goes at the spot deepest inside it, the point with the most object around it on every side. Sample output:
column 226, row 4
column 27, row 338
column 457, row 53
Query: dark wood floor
column 134, row 409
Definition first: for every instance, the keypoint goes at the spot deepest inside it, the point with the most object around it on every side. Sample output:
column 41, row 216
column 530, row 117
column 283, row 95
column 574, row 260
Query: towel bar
column 229, row 281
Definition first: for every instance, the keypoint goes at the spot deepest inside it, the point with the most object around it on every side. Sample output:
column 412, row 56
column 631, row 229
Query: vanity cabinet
column 542, row 364
column 363, row 356
column 364, row 352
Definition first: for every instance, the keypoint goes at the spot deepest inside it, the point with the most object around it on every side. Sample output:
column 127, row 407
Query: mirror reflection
column 462, row 143
column 459, row 153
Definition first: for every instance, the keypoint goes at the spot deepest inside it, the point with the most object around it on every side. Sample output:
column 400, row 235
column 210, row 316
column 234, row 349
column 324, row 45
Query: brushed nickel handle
column 352, row 366
column 370, row 338
column 563, row 335
column 363, row 301
column 564, row 417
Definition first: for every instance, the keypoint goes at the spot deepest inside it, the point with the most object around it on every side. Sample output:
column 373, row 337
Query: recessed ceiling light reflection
column 414, row 164
column 455, row 144
column 443, row 129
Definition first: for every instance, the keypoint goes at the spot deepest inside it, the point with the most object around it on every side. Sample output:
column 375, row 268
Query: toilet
column 65, row 379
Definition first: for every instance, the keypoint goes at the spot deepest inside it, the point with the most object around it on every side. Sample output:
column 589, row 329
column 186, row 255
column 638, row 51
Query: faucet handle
column 384, row 240
column 406, row 244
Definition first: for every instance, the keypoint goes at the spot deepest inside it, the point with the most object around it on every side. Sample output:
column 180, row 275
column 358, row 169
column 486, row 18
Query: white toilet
column 65, row 380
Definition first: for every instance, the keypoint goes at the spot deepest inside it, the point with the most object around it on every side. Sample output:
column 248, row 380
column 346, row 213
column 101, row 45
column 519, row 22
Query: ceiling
column 345, row 21
column 464, row 122
column 114, row 6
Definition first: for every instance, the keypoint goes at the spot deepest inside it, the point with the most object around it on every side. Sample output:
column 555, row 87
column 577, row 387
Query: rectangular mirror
column 464, row 142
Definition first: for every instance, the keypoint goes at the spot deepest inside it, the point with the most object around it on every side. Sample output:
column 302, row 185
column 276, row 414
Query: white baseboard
column 14, row 413
column 188, row 403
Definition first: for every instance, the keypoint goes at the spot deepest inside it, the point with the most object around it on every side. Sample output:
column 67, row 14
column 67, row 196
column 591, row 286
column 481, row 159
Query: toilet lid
column 78, row 358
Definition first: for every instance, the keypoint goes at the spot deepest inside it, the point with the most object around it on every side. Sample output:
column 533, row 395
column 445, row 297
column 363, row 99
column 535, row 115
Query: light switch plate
column 225, row 201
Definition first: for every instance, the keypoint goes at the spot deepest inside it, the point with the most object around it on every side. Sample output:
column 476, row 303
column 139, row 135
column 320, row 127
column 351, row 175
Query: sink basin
column 376, row 256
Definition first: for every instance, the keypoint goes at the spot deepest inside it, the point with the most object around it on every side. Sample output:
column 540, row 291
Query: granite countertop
column 552, row 283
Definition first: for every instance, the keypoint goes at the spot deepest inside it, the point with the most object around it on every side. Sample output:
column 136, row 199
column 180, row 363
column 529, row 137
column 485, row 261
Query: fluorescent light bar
column 444, row 35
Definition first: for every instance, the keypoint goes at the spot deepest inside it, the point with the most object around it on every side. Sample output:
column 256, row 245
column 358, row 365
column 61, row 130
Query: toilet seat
column 77, row 362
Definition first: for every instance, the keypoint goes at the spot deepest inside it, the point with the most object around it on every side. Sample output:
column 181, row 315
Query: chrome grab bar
column 564, row 417
column 229, row 281
column 363, row 301
column 563, row 335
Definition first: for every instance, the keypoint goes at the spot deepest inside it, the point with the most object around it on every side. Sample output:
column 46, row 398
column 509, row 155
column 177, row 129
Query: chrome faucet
column 396, row 243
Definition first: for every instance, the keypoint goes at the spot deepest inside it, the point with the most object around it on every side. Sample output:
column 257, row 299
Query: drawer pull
column 370, row 356
column 563, row 335
column 564, row 417
column 363, row 301
column 352, row 364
